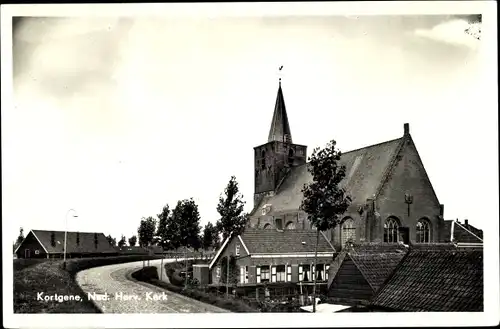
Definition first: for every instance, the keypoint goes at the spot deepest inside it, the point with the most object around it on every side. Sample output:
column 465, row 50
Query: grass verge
column 150, row 275
column 48, row 278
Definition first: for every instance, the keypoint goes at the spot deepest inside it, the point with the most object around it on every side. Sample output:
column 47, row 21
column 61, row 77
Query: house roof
column 375, row 261
column 462, row 233
column 86, row 243
column 280, row 128
column 435, row 280
column 366, row 169
column 260, row 241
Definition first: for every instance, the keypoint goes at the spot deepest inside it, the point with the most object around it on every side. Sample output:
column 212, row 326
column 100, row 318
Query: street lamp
column 66, row 232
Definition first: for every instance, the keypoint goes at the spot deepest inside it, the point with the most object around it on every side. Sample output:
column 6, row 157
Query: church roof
column 280, row 128
column 436, row 281
column 366, row 169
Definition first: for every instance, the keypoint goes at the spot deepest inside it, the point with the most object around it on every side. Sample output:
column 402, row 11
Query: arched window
column 290, row 226
column 348, row 230
column 290, row 157
column 391, row 228
column 423, row 231
column 263, row 161
column 267, row 227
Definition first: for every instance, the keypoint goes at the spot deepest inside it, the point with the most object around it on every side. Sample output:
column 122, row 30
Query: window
column 237, row 249
column 263, row 160
column 37, row 252
column 263, row 274
column 243, row 274
column 423, row 231
column 391, row 228
column 289, row 273
column 290, row 226
column 348, row 231
column 217, row 272
column 305, row 272
column 320, row 272
column 280, row 273
column 267, row 227
column 279, row 224
column 327, row 268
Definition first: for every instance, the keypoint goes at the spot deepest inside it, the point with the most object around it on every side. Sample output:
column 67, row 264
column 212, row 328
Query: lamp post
column 66, row 232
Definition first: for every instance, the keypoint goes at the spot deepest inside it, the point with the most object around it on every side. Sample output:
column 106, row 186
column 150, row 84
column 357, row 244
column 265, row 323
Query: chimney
column 466, row 223
column 407, row 129
column 441, row 209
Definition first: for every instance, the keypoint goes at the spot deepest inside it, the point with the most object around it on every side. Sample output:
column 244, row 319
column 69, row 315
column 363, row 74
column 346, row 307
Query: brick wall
column 408, row 176
column 32, row 244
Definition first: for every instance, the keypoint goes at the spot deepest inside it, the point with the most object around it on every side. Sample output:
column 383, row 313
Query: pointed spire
column 280, row 129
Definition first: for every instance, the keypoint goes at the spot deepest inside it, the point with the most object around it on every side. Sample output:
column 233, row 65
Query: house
column 434, row 280
column 464, row 235
column 360, row 270
column 50, row 244
column 393, row 198
column 273, row 256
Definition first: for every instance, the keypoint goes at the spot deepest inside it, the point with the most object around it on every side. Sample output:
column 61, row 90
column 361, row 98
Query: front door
column 26, row 253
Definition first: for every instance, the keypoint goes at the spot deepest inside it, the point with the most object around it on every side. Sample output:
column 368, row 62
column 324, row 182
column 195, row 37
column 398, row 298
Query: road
column 141, row 297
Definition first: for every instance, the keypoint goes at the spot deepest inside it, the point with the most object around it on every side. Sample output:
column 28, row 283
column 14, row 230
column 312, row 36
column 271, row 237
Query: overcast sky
column 118, row 117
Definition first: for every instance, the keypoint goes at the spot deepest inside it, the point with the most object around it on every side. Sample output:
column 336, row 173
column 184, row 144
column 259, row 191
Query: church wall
column 408, row 176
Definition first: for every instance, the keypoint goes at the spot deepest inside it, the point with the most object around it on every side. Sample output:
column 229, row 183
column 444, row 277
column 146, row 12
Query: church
column 393, row 199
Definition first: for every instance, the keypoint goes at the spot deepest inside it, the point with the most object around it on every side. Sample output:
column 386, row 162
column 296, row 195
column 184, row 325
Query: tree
column 146, row 231
column 166, row 229
column 230, row 208
column 132, row 240
column 210, row 237
column 187, row 216
column 122, row 241
column 324, row 200
column 111, row 240
column 19, row 239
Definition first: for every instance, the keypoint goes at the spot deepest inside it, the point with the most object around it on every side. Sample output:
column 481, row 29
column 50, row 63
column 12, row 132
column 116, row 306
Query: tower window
column 263, row 161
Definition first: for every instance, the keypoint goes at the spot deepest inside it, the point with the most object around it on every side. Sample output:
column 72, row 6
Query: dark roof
column 462, row 233
column 365, row 172
column 375, row 261
column 260, row 241
column 86, row 243
column 280, row 128
column 435, row 280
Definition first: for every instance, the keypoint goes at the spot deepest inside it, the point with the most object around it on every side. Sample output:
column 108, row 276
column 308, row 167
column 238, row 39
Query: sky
column 117, row 117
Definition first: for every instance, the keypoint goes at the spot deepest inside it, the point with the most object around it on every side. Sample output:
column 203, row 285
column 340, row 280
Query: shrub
column 76, row 265
column 146, row 274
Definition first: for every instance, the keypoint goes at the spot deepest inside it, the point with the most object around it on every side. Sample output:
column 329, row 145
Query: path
column 112, row 280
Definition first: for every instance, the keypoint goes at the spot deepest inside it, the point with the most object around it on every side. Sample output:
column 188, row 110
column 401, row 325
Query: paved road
column 144, row 298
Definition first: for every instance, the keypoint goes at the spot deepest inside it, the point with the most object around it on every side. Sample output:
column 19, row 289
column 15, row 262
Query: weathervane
column 280, row 68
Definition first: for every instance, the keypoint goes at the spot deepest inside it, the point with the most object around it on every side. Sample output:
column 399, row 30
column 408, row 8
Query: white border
column 490, row 316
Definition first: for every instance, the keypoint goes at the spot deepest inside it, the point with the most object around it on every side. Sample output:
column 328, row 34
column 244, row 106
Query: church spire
column 280, row 129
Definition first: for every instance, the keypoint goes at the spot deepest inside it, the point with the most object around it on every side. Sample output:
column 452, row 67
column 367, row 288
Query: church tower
column 274, row 159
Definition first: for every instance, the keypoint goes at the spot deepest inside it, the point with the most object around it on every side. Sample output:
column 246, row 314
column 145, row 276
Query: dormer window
column 237, row 251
